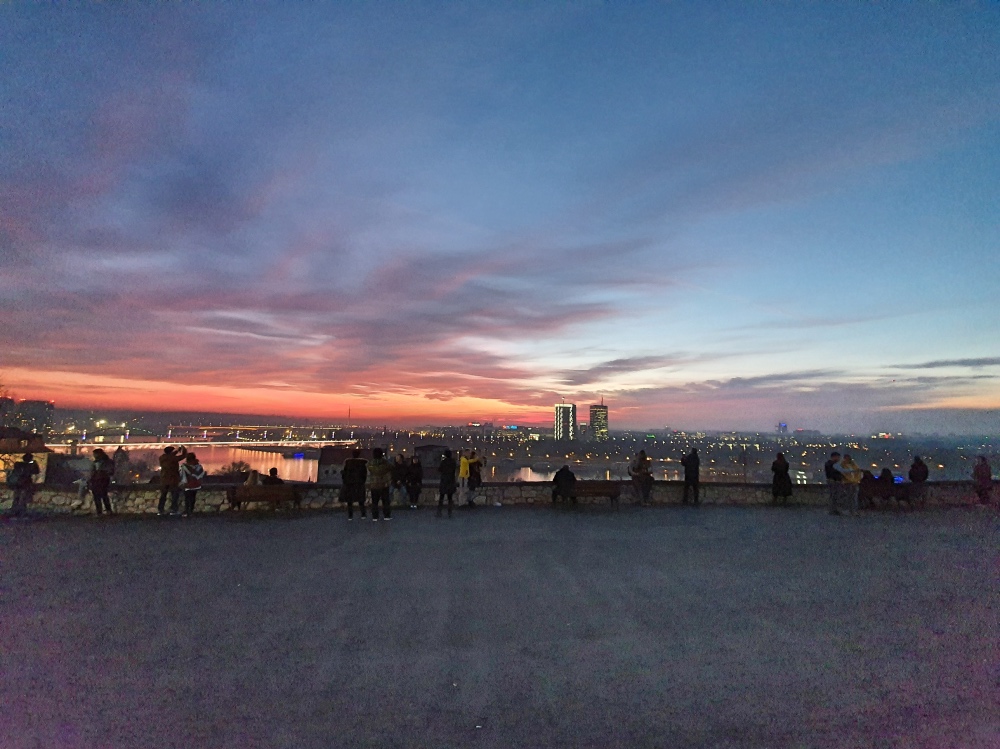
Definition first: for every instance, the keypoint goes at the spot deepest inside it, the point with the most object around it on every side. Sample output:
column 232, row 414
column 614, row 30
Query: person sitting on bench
column 565, row 484
column 271, row 479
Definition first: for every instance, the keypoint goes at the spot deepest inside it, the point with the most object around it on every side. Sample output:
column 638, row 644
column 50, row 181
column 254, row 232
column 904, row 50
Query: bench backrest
column 265, row 493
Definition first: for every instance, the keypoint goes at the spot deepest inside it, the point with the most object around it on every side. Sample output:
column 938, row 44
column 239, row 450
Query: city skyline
column 720, row 216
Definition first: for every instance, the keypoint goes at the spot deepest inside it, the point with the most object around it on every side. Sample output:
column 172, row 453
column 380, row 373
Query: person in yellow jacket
column 463, row 479
column 852, row 480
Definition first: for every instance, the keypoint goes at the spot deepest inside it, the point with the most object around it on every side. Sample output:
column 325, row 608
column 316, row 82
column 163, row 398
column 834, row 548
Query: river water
column 215, row 457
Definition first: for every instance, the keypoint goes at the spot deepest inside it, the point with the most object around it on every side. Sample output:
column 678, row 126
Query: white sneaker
column 498, row 504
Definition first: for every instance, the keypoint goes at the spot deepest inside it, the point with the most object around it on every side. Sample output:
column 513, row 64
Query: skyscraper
column 599, row 422
column 565, row 422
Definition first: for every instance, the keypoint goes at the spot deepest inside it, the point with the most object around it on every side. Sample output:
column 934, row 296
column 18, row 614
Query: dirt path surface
column 672, row 627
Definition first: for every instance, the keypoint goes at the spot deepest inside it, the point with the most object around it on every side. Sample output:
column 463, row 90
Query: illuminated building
column 565, row 430
column 599, row 423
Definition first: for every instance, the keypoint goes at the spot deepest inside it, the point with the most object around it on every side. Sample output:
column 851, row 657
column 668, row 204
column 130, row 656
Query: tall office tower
column 565, row 422
column 599, row 422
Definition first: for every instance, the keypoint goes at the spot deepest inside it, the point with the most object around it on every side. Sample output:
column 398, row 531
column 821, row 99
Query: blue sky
column 713, row 215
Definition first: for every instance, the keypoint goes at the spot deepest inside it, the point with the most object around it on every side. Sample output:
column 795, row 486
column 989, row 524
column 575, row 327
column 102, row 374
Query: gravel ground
column 667, row 627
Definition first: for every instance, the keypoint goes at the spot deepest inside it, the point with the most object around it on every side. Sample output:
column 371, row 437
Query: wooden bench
column 610, row 489
column 274, row 495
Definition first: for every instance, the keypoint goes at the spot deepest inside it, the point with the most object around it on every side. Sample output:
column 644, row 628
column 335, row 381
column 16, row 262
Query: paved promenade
column 659, row 627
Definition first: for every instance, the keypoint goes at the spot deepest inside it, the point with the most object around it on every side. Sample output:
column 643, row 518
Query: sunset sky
column 714, row 215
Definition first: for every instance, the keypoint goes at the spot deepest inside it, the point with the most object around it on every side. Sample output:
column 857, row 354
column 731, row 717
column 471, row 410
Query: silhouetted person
column 448, row 470
column 834, row 481
column 21, row 479
column 271, row 479
column 354, row 476
column 982, row 477
column 868, row 489
column 463, row 478
column 120, row 459
column 475, row 475
column 397, row 477
column 379, row 478
column 918, row 477
column 852, row 482
column 692, row 468
column 781, row 482
column 253, row 479
column 170, row 478
column 886, row 485
column 565, row 485
column 192, row 477
column 414, row 480
column 101, row 473
column 642, row 478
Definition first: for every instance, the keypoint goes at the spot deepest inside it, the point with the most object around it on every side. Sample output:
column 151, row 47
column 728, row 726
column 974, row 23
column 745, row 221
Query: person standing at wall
column 170, row 478
column 414, row 481
column 379, row 479
column 447, row 470
column 918, row 478
column 397, row 479
column 21, row 479
column 463, row 479
column 192, row 477
column 982, row 477
column 101, row 473
column 692, row 469
column 781, row 482
column 834, row 481
column 852, row 482
column 475, row 476
column 121, row 461
column 642, row 478
column 354, row 476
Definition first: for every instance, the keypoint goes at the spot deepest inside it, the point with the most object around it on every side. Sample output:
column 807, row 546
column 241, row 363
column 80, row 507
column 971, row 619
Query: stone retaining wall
column 143, row 498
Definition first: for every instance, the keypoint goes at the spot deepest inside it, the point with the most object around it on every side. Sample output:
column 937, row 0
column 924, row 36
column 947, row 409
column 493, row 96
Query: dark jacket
column 781, row 484
column 448, row 470
column 170, row 468
column 831, row 471
column 475, row 473
column 101, row 474
column 565, row 481
column 918, row 472
column 24, row 474
column 414, row 475
column 398, row 473
column 355, row 472
column 692, row 464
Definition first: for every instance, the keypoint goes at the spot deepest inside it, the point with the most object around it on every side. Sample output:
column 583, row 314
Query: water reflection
column 215, row 458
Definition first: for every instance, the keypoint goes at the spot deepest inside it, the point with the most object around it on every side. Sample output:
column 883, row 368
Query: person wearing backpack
column 192, row 477
column 21, row 478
